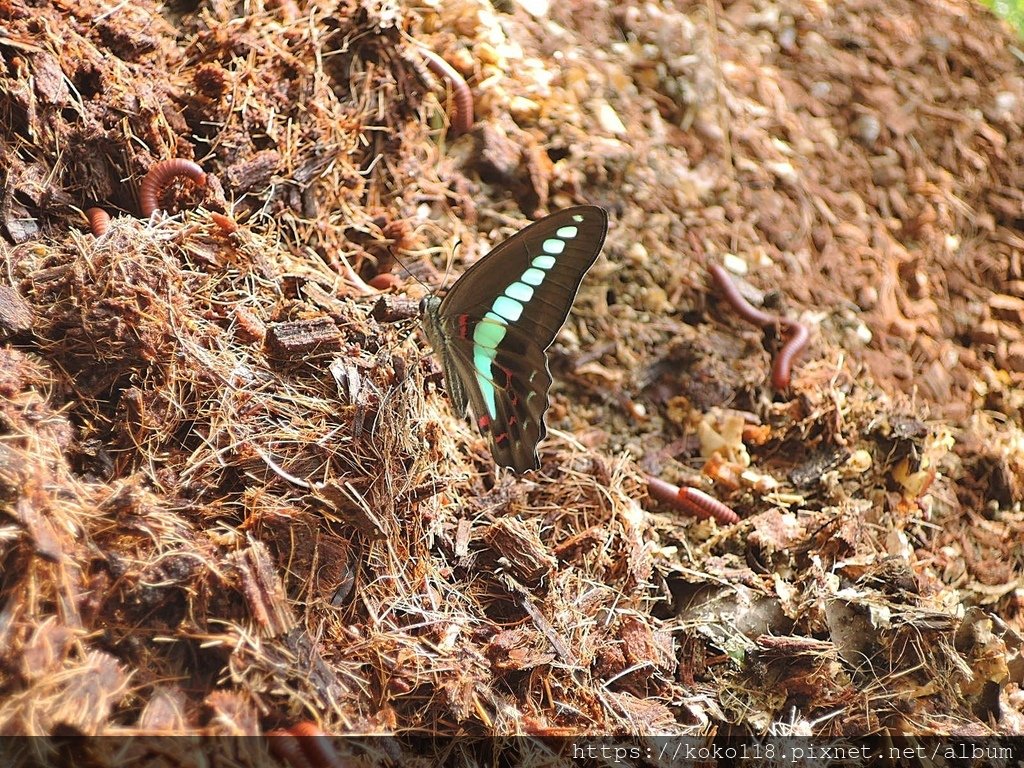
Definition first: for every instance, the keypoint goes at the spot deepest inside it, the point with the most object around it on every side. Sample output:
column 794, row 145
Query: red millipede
column 690, row 501
column 462, row 96
column 286, row 748
column 160, row 175
column 226, row 223
column 384, row 281
column 316, row 745
column 703, row 506
column 663, row 491
column 99, row 221
column 799, row 334
column 732, row 294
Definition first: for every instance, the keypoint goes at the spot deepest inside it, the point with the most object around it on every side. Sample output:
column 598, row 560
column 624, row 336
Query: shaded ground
column 235, row 497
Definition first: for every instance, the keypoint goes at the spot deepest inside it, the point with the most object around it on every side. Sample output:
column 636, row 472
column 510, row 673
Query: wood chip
column 296, row 339
column 520, row 551
column 261, row 585
column 1008, row 308
column 15, row 312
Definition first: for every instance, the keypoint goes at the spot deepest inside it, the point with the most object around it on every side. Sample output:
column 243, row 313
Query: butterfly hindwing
column 520, row 399
column 493, row 328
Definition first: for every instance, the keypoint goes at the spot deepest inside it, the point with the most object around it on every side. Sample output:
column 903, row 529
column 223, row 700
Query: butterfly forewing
column 475, row 292
column 493, row 327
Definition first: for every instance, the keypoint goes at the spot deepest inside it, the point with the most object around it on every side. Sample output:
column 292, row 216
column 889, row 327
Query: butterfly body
column 494, row 326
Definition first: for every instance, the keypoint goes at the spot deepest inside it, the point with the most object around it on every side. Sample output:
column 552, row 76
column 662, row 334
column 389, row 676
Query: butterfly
column 494, row 326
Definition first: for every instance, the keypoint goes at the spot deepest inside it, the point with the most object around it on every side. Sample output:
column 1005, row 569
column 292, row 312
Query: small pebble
column 523, row 109
column 536, row 8
column 863, row 333
column 609, row 119
column 860, row 461
column 867, row 129
column 867, row 297
column 638, row 256
column 735, row 264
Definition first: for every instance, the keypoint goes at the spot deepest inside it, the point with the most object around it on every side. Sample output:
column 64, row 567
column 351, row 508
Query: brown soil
column 233, row 496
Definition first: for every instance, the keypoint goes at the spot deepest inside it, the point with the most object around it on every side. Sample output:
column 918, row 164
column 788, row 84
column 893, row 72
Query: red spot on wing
column 508, row 373
column 501, row 438
column 484, row 422
column 463, row 321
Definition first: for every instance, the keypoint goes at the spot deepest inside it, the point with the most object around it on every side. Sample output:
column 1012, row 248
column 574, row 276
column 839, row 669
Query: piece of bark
column 15, row 312
column 294, row 339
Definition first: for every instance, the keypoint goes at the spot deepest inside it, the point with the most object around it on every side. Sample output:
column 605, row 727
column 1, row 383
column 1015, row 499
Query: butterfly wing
column 516, row 388
column 553, row 267
column 495, row 325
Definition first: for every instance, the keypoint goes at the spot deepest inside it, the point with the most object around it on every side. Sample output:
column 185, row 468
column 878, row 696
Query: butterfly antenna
column 447, row 270
column 401, row 263
column 427, row 288
column 451, row 260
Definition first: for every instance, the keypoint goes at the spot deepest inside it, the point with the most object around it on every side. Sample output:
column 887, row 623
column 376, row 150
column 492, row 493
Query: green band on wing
column 489, row 332
column 553, row 246
column 520, row 292
column 510, row 309
column 482, row 359
column 486, row 337
column 533, row 276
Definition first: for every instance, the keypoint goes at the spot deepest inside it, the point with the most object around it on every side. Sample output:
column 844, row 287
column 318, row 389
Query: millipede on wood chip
column 160, row 174
column 316, row 746
column 285, row 747
column 304, row 745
